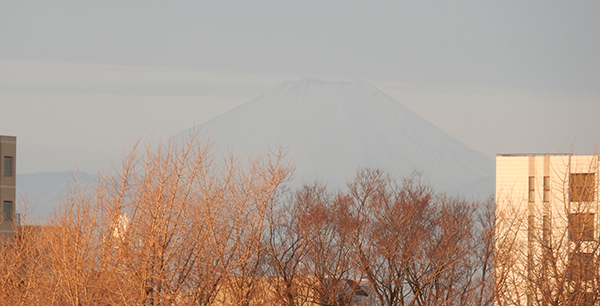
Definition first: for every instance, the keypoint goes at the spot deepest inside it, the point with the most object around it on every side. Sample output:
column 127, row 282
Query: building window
column 546, row 230
column 531, row 189
column 581, row 227
column 582, row 187
column 546, row 189
column 9, row 211
column 8, row 166
column 581, row 267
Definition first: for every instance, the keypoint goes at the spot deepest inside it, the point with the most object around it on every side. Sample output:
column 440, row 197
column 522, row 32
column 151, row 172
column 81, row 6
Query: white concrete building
column 546, row 237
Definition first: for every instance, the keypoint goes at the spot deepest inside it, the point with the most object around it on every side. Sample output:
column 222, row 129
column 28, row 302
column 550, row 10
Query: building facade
column 546, row 244
column 9, row 217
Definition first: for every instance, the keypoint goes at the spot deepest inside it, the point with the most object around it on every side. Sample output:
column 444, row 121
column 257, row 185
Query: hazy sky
column 80, row 82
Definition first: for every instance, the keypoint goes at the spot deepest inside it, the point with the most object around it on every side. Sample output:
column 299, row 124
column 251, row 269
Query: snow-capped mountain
column 331, row 129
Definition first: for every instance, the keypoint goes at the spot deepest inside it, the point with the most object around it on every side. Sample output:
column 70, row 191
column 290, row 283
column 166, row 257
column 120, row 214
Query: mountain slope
column 333, row 128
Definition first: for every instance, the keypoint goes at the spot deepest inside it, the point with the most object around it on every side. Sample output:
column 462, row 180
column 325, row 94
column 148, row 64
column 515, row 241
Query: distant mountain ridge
column 44, row 191
column 331, row 129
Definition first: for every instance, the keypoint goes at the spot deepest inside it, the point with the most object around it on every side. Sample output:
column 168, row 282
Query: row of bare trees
column 174, row 226
column 407, row 245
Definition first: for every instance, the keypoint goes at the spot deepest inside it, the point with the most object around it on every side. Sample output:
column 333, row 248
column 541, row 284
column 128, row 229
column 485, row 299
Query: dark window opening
column 581, row 267
column 531, row 189
column 8, row 166
column 546, row 189
column 582, row 187
column 9, row 211
column 581, row 227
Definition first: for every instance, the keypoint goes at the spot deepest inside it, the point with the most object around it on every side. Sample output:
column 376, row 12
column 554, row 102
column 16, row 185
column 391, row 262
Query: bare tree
column 168, row 227
column 414, row 247
column 22, row 262
column 285, row 251
column 328, row 262
column 255, row 194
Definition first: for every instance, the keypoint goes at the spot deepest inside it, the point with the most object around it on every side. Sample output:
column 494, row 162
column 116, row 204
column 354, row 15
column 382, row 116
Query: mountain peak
column 331, row 129
column 316, row 84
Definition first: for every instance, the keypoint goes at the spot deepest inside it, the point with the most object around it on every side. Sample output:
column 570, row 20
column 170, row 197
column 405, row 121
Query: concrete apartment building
column 546, row 239
column 9, row 217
